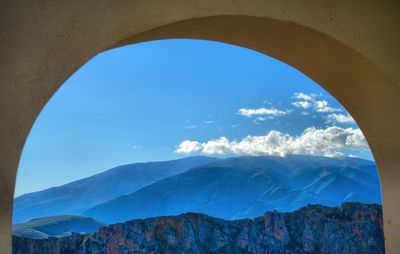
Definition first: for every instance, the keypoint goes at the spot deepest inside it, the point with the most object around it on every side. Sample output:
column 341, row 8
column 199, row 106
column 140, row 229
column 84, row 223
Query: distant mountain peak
column 228, row 188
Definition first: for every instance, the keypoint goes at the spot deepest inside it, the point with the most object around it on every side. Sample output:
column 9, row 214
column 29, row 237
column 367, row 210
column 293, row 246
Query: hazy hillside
column 244, row 187
column 77, row 196
column 56, row 226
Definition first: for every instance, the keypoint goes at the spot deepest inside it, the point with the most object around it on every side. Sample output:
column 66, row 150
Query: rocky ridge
column 349, row 228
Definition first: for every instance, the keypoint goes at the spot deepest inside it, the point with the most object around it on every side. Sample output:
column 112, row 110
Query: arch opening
column 301, row 102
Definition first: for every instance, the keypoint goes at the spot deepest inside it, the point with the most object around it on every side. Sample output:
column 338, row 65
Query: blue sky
column 174, row 98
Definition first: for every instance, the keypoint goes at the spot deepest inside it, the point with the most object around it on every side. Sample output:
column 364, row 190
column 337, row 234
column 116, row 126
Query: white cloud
column 340, row 118
column 331, row 141
column 263, row 118
column 218, row 146
column 322, row 106
column 192, row 126
column 305, row 101
column 303, row 96
column 302, row 104
column 188, row 146
column 249, row 112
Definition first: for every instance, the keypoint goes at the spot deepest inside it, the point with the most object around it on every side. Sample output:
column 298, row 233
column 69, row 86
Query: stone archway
column 349, row 48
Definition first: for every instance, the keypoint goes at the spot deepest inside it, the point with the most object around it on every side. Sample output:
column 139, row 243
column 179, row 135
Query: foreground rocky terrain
column 349, row 228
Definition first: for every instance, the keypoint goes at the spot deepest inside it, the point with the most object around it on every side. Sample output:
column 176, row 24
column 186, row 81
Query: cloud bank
column 332, row 142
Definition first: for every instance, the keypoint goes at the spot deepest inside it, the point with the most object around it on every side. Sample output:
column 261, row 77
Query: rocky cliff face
column 349, row 228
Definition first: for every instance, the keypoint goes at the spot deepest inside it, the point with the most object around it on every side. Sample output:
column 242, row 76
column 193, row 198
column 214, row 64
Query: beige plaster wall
column 349, row 47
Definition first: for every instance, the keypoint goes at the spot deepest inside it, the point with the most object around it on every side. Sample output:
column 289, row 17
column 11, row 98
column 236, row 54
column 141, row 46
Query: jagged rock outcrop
column 349, row 228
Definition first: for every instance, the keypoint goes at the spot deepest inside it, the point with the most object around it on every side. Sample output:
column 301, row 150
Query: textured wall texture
column 349, row 47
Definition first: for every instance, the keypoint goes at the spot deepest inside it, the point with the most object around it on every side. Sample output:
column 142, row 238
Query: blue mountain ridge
column 229, row 188
column 80, row 195
column 243, row 187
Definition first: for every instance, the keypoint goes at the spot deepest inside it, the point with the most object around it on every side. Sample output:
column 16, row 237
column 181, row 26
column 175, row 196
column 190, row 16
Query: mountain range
column 80, row 195
column 227, row 188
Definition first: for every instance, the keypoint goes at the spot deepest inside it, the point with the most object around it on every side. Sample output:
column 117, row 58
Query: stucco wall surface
column 351, row 48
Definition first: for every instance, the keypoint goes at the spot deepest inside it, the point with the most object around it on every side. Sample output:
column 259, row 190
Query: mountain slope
column 349, row 228
column 245, row 187
column 56, row 226
column 78, row 196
